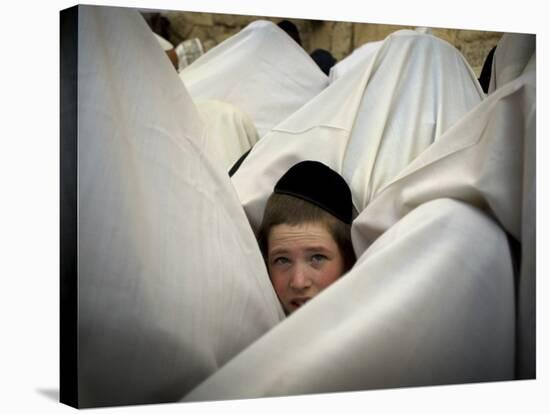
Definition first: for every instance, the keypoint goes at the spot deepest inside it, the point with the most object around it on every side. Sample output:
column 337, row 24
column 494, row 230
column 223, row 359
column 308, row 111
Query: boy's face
column 302, row 260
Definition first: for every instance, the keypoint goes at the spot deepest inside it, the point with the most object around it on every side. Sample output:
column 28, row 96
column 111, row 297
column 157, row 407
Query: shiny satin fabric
column 261, row 70
column 171, row 284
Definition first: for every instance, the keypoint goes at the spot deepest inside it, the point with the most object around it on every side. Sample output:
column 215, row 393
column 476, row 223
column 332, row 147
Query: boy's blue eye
column 317, row 258
column 281, row 260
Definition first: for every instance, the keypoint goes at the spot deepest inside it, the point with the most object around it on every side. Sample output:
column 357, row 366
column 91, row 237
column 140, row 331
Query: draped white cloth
column 165, row 44
column 431, row 299
column 230, row 131
column 261, row 70
column 486, row 160
column 362, row 53
column 515, row 54
column 171, row 284
column 174, row 298
column 369, row 124
column 425, row 305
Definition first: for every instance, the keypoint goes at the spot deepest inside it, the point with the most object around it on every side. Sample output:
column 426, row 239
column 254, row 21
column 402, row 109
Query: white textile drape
column 369, row 124
column 174, row 297
column 165, row 44
column 515, row 54
column 230, row 131
column 171, row 284
column 425, row 305
column 432, row 298
column 261, row 70
column 359, row 55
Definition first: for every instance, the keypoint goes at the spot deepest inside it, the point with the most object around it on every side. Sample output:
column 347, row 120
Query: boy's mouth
column 298, row 302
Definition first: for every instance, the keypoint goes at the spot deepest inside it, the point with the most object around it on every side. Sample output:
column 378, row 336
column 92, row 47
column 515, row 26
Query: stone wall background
column 340, row 38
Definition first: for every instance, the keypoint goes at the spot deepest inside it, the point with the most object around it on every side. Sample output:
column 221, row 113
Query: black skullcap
column 316, row 183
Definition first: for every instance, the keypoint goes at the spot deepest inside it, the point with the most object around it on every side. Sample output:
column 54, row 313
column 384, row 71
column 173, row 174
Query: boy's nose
column 300, row 278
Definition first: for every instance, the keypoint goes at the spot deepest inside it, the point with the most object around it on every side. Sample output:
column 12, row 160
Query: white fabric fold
column 513, row 56
column 482, row 160
column 171, row 283
column 174, row 297
column 487, row 159
column 230, row 131
column 165, row 44
column 417, row 247
column 369, row 124
column 358, row 57
column 425, row 305
column 260, row 70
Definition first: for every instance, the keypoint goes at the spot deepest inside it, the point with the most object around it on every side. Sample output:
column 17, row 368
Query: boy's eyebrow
column 316, row 248
column 278, row 250
column 284, row 250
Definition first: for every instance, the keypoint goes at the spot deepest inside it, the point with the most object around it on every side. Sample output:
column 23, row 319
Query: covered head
column 316, row 183
column 305, row 235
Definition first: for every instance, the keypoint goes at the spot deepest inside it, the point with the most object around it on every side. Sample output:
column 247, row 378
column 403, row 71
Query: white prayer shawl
column 514, row 55
column 361, row 56
column 171, row 284
column 357, row 57
column 165, row 44
column 230, row 131
column 486, row 160
column 260, row 70
column 431, row 298
column 369, row 124
column 425, row 305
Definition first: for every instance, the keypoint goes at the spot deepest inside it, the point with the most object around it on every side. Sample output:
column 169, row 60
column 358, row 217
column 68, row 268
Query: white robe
column 515, row 54
column 357, row 57
column 164, row 44
column 425, row 305
column 431, row 299
column 261, row 70
column 171, row 284
column 230, row 131
column 369, row 124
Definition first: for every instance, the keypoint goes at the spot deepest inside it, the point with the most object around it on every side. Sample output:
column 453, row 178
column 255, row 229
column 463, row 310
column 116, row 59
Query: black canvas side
column 68, row 375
